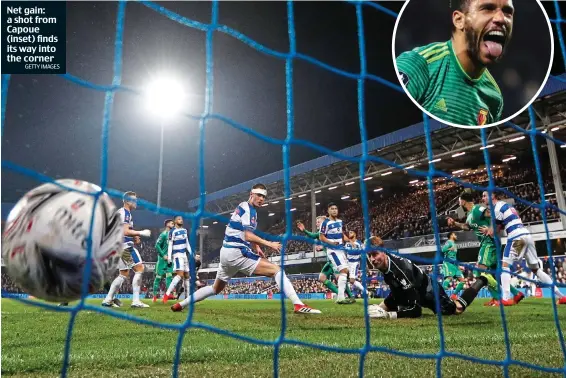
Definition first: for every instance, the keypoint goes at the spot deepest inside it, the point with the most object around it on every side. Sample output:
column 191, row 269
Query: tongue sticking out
column 495, row 49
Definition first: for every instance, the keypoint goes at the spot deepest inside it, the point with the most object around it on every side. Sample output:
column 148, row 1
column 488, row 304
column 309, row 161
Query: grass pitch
column 103, row 346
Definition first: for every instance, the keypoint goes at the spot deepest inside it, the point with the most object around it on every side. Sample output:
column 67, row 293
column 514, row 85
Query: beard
column 473, row 44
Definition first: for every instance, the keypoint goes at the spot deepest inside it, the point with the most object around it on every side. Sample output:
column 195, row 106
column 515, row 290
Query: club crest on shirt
column 482, row 117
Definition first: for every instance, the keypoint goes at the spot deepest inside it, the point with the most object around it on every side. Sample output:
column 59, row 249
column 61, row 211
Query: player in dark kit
column 450, row 79
column 411, row 290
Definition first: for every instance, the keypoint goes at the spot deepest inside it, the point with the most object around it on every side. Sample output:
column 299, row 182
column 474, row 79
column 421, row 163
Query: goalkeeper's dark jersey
column 411, row 289
column 435, row 79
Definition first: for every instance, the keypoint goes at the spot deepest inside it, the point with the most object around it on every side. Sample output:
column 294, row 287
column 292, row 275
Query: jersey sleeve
column 478, row 213
column 245, row 217
column 312, row 235
column 323, row 228
column 404, row 270
column 499, row 210
column 161, row 244
column 413, row 72
column 125, row 218
column 446, row 247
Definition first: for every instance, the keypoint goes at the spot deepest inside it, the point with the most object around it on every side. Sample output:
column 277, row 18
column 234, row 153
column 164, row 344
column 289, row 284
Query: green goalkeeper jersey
column 435, row 79
column 161, row 244
column 476, row 218
column 449, row 250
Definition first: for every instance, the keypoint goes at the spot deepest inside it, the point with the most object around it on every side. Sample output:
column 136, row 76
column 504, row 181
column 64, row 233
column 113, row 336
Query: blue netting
column 363, row 160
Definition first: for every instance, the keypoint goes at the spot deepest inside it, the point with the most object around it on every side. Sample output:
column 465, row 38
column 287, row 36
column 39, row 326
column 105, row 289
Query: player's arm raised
column 312, row 235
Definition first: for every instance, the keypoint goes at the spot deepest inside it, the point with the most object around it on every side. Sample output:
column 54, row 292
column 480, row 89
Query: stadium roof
column 405, row 147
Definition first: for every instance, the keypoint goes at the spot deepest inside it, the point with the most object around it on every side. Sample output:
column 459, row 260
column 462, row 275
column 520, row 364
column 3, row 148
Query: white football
column 46, row 237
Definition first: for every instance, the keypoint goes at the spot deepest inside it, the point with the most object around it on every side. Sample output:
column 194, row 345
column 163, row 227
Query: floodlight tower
column 164, row 99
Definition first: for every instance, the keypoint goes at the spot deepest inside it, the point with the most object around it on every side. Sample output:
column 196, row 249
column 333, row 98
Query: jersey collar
column 388, row 264
column 460, row 68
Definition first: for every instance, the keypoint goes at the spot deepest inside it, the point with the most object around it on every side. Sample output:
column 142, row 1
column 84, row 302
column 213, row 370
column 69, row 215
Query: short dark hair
column 467, row 196
column 460, row 5
column 167, row 221
column 330, row 204
column 259, row 186
column 178, row 216
column 451, row 233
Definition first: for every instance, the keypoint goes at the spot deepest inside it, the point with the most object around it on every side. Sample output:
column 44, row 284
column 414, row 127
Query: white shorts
column 338, row 259
column 181, row 262
column 130, row 258
column 353, row 269
column 236, row 260
column 520, row 247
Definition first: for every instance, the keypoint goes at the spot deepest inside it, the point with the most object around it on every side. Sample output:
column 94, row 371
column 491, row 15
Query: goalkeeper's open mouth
column 493, row 42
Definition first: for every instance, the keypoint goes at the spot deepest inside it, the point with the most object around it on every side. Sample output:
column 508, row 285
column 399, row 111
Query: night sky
column 54, row 126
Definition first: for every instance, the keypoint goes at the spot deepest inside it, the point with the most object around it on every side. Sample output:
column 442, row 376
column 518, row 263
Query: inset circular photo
column 473, row 63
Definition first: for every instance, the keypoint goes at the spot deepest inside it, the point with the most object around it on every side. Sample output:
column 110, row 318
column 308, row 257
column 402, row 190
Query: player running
column 520, row 244
column 131, row 258
column 449, row 270
column 450, row 79
column 163, row 268
column 331, row 233
column 327, row 273
column 241, row 253
column 353, row 254
column 178, row 252
column 411, row 290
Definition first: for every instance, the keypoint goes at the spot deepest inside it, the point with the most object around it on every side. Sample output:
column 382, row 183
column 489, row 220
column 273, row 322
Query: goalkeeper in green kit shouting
column 164, row 268
column 327, row 271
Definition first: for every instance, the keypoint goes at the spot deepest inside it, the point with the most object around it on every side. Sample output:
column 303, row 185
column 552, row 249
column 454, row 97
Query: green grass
column 103, row 346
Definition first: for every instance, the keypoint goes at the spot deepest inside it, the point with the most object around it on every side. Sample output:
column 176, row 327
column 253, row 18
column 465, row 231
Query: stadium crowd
column 312, row 285
column 397, row 215
column 394, row 215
